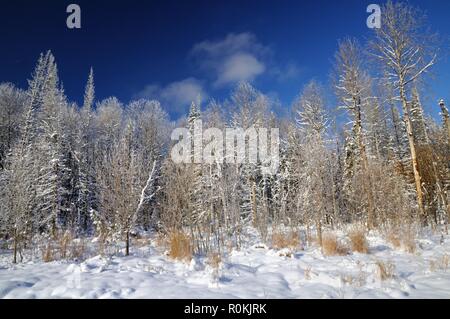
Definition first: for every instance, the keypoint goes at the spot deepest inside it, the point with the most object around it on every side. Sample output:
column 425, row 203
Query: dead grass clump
column 180, row 246
column 331, row 246
column 358, row 280
column 402, row 239
column 394, row 239
column 63, row 244
column 282, row 240
column 308, row 272
column 386, row 270
column 441, row 263
column 409, row 242
column 47, row 254
column 214, row 260
column 358, row 241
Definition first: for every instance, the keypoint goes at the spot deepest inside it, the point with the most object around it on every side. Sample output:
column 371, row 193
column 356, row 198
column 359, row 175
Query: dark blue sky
column 173, row 50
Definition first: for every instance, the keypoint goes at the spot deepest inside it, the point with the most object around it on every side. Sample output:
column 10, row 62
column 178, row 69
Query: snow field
column 255, row 271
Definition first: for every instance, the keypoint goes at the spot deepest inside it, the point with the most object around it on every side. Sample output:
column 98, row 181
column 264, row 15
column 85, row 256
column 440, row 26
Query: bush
column 63, row 244
column 47, row 254
column 214, row 260
column 281, row 240
column 442, row 263
column 394, row 238
column 358, row 241
column 332, row 247
column 386, row 270
column 180, row 246
column 404, row 239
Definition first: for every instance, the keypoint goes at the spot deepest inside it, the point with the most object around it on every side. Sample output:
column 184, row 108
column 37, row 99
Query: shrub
column 386, row 270
column 180, row 246
column 308, row 272
column 281, row 240
column 47, row 254
column 63, row 244
column 332, row 247
column 214, row 260
column 358, row 241
column 394, row 238
column 441, row 263
column 409, row 242
column 404, row 239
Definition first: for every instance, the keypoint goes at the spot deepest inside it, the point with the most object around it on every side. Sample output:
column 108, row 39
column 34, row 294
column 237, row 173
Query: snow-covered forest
column 365, row 166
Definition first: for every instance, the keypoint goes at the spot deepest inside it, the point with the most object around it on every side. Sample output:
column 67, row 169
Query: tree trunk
column 446, row 119
column 253, row 204
column 15, row 247
column 127, row 244
column 412, row 147
column 319, row 231
column 365, row 163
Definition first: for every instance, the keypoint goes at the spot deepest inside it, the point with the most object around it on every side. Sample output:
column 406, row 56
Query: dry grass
column 214, row 260
column 358, row 241
column 385, row 270
column 394, row 238
column 63, row 247
column 308, row 272
column 180, row 246
column 402, row 239
column 47, row 254
column 63, row 244
column 282, row 240
column 409, row 242
column 358, row 280
column 331, row 246
column 441, row 263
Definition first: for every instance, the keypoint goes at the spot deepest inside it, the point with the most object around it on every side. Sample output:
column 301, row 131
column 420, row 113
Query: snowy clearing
column 253, row 272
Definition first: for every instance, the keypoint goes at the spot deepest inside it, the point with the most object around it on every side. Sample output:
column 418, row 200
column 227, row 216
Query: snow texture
column 253, row 272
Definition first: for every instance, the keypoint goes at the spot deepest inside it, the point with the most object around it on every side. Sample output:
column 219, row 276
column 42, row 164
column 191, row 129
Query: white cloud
column 175, row 96
column 239, row 67
column 235, row 58
column 231, row 44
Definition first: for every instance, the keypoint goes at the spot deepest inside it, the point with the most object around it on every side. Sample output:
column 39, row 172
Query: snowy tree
column 353, row 87
column 85, row 156
column 15, row 214
column 400, row 48
column 12, row 103
column 313, row 123
column 123, row 189
column 446, row 118
column 54, row 173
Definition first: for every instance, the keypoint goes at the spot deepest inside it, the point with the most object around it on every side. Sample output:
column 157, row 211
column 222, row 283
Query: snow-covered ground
column 253, row 272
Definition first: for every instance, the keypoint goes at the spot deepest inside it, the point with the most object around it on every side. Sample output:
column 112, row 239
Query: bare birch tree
column 401, row 47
